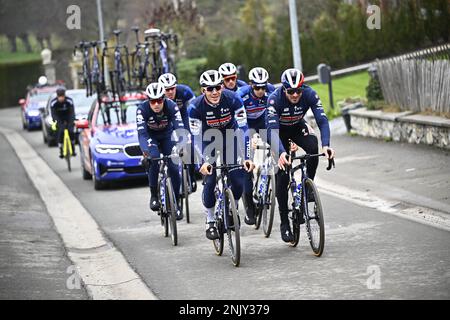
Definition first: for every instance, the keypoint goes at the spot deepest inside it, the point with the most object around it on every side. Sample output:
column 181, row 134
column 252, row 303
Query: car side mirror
column 82, row 124
column 22, row 102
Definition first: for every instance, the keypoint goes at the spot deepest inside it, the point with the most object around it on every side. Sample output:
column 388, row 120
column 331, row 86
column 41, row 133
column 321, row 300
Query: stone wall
column 402, row 127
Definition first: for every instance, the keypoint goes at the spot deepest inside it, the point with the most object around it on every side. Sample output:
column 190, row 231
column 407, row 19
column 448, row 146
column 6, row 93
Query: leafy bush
column 373, row 90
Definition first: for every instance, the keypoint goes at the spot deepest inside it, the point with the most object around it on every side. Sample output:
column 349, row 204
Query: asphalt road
column 368, row 254
column 33, row 260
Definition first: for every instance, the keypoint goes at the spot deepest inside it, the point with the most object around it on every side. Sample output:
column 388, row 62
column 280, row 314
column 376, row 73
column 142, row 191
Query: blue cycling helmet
column 292, row 78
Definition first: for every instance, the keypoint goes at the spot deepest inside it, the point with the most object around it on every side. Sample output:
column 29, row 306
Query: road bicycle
column 160, row 61
column 168, row 204
column 185, row 190
column 305, row 205
column 67, row 146
column 140, row 61
column 264, row 192
column 86, row 70
column 97, row 77
column 226, row 214
column 120, row 76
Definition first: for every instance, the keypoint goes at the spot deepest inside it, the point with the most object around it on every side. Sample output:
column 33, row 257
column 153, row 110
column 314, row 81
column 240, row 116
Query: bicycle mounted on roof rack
column 149, row 60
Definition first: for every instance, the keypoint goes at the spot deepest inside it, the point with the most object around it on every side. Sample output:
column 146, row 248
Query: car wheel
column 98, row 185
column 85, row 174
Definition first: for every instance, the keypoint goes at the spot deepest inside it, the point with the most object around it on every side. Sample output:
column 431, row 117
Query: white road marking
column 103, row 269
column 418, row 214
column 355, row 158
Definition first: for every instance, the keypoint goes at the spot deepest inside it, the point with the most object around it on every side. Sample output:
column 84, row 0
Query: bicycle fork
column 67, row 146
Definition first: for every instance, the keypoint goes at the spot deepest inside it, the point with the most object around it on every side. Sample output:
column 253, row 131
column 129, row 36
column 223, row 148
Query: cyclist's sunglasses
column 171, row 88
column 294, row 90
column 228, row 79
column 157, row 101
column 212, row 88
column 257, row 88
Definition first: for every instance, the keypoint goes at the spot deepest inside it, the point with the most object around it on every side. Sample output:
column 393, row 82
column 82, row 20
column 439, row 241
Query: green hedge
column 339, row 38
column 14, row 78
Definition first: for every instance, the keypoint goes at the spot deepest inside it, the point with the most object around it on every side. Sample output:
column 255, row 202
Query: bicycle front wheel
column 234, row 238
column 69, row 167
column 295, row 221
column 186, row 186
column 218, row 243
column 315, row 227
column 171, row 211
column 268, row 210
column 67, row 149
column 258, row 207
column 163, row 212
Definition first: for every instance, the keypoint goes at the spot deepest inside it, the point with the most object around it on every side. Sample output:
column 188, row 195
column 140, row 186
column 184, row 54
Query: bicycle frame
column 97, row 76
column 266, row 168
column 140, row 73
column 86, row 73
column 67, row 146
column 299, row 199
column 219, row 190
column 163, row 174
column 123, row 84
column 159, row 51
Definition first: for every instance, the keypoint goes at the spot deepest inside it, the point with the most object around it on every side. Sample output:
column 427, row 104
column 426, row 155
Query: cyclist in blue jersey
column 182, row 95
column 287, row 107
column 156, row 120
column 254, row 97
column 217, row 113
column 228, row 72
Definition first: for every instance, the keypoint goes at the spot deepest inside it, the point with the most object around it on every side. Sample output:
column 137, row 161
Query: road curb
column 102, row 268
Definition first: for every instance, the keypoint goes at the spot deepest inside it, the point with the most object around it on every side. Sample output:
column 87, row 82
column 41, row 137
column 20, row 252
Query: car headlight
column 33, row 113
column 107, row 148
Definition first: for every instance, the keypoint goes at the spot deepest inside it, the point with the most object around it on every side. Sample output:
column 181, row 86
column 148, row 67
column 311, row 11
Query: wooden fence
column 417, row 82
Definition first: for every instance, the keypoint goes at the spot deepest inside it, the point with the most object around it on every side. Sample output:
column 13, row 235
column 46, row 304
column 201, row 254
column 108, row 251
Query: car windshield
column 40, row 97
column 82, row 103
column 118, row 113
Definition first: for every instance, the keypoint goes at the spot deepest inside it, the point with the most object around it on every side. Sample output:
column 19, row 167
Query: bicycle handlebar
column 305, row 157
column 163, row 158
column 225, row 167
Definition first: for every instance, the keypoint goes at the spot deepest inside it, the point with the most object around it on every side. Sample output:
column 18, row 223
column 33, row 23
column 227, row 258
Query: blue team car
column 109, row 147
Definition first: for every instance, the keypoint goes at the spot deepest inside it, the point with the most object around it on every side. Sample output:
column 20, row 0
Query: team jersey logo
column 195, row 126
column 139, row 119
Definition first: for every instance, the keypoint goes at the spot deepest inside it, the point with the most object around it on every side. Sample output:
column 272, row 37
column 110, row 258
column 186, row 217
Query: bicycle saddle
column 152, row 32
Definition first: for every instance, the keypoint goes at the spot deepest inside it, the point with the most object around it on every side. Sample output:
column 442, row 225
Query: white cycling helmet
column 168, row 80
column 155, row 91
column 210, row 78
column 227, row 69
column 258, row 75
column 292, row 78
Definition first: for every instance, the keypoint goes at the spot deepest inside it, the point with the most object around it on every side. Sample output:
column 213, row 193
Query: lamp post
column 296, row 51
column 102, row 37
